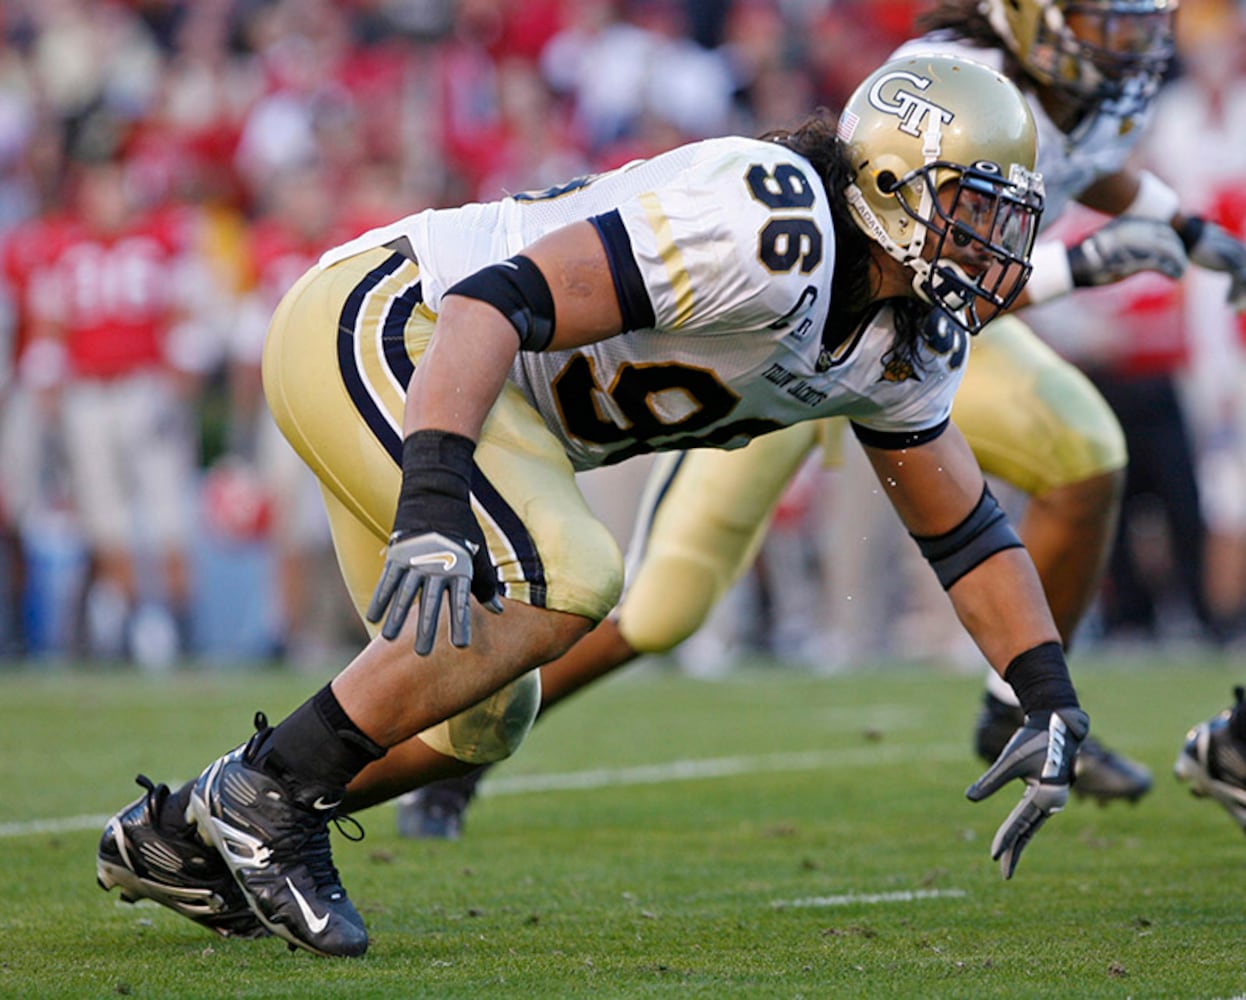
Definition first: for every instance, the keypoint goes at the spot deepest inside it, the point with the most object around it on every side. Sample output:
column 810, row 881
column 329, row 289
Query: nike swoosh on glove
column 431, row 566
column 1041, row 753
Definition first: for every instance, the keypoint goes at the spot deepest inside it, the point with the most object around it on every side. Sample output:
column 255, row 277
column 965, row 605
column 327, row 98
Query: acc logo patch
column 894, row 94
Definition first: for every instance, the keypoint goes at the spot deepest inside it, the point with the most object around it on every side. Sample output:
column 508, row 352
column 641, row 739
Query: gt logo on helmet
column 909, row 107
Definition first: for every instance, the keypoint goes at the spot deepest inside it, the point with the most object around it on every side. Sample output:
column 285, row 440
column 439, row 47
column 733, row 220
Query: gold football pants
column 341, row 348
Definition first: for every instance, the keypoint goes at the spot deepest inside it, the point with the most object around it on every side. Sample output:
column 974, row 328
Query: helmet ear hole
column 888, row 174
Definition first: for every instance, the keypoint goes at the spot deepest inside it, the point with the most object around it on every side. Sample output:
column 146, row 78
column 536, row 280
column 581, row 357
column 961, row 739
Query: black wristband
column 436, row 466
column 1191, row 231
column 1082, row 273
column 1040, row 677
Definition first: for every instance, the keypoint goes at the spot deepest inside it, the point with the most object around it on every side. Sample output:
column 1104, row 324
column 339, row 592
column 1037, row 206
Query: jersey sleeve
column 728, row 243
column 913, row 409
column 903, row 400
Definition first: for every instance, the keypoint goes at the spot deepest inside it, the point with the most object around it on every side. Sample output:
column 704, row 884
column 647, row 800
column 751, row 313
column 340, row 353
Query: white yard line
column 868, row 898
column 872, row 755
column 716, row 767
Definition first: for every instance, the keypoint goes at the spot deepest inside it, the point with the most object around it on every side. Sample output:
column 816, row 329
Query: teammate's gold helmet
column 942, row 150
column 1095, row 50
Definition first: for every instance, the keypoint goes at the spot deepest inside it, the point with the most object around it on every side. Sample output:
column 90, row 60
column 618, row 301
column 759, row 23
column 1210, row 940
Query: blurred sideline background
column 168, row 169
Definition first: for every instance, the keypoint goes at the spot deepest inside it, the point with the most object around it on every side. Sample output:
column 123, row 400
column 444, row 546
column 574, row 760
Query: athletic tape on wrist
column 1154, row 200
column 1051, row 276
column 435, row 464
column 1191, row 231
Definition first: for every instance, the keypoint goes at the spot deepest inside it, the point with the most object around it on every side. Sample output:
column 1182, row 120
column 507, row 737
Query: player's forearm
column 939, row 493
column 1002, row 606
column 1113, row 193
column 462, row 372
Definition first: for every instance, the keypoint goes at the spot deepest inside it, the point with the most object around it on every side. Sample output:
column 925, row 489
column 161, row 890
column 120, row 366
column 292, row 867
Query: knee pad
column 492, row 729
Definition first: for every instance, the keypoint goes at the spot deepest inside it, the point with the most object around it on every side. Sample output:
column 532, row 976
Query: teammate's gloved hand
column 1215, row 248
column 437, row 547
column 1041, row 753
column 1126, row 246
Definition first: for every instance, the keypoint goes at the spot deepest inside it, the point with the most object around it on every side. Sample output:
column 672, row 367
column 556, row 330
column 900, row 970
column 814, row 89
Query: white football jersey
column 1069, row 163
column 722, row 253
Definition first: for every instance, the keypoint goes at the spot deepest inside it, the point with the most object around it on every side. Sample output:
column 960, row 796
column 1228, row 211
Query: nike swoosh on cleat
column 322, row 805
column 314, row 923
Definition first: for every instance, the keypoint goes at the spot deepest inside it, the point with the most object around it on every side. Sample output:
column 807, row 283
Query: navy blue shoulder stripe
column 629, row 287
column 897, row 440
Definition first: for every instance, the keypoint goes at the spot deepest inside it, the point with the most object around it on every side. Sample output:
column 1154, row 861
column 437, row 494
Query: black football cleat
column 149, row 859
column 273, row 833
column 436, row 811
column 1213, row 761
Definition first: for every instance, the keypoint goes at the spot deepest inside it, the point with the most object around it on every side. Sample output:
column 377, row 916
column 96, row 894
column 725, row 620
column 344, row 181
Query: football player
column 446, row 376
column 1089, row 71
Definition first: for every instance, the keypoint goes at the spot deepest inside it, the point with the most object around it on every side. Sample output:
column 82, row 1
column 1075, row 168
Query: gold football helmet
column 942, row 150
column 1097, row 51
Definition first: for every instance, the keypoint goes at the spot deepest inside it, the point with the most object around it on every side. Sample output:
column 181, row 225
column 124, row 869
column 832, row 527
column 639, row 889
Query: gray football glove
column 1041, row 753
column 1218, row 250
column 430, row 566
column 436, row 548
column 1126, row 246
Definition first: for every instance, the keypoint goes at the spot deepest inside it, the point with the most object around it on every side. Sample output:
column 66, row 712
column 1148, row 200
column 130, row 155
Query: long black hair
column 855, row 282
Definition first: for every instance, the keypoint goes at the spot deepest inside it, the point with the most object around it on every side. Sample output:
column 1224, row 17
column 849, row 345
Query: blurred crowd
column 168, row 168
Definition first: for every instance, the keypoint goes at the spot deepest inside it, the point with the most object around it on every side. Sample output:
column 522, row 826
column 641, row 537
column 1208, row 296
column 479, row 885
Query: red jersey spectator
column 112, row 297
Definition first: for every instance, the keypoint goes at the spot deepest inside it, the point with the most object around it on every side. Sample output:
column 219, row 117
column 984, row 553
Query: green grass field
column 770, row 835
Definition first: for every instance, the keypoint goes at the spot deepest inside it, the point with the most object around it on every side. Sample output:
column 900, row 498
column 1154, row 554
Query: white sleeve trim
column 1154, row 200
column 1051, row 276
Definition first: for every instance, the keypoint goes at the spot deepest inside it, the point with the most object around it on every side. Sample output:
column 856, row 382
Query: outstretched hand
column 429, row 566
column 1124, row 247
column 1218, row 250
column 1041, row 753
